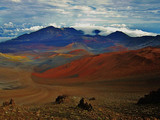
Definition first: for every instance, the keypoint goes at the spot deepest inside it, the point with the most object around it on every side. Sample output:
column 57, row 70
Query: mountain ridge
column 107, row 66
column 60, row 37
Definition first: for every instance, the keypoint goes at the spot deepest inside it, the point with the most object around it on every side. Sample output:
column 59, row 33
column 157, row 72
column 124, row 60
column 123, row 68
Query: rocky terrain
column 62, row 74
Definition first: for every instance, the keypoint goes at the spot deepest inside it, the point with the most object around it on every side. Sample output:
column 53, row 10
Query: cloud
column 93, row 19
column 89, row 10
column 106, row 30
column 70, row 11
column 8, row 25
column 40, row 13
column 2, row 39
column 54, row 25
column 55, row 3
column 82, row 8
column 58, row 3
column 16, row 1
column 12, row 30
column 34, row 28
column 62, row 11
column 118, row 25
column 7, row 31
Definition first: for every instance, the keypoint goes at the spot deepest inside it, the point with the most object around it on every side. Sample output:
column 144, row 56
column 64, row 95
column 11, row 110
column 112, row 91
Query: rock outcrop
column 152, row 98
column 83, row 104
column 60, row 99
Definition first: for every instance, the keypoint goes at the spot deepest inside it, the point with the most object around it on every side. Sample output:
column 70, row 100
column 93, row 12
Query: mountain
column 80, row 52
column 108, row 66
column 48, row 35
column 118, row 35
column 51, row 38
column 10, row 57
column 12, row 60
column 58, row 59
column 73, row 46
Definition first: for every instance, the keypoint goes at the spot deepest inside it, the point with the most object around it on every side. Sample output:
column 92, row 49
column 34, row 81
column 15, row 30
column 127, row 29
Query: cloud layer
column 73, row 11
column 106, row 30
column 137, row 16
column 11, row 30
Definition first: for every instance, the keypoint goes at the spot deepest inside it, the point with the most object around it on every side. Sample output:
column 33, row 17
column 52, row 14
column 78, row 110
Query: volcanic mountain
column 107, row 66
column 73, row 46
column 47, row 37
column 58, row 59
column 51, row 38
column 12, row 60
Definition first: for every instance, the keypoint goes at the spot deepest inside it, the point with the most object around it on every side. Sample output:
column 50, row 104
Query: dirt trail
column 26, row 91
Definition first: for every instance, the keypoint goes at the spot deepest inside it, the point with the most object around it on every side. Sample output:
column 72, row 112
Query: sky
column 134, row 17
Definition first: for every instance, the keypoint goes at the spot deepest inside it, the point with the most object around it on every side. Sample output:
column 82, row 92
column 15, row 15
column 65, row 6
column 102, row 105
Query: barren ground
column 114, row 99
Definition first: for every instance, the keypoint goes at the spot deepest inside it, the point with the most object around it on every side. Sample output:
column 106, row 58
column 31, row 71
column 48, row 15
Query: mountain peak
column 50, row 27
column 118, row 33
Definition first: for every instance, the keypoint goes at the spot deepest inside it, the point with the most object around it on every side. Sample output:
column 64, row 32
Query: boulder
column 60, row 99
column 92, row 98
column 152, row 98
column 83, row 104
column 8, row 103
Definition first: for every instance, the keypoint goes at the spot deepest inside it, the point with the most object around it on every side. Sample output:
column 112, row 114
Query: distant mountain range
column 51, row 37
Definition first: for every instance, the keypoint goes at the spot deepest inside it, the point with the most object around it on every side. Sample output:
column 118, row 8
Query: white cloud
column 62, row 11
column 58, row 3
column 2, row 39
column 115, row 14
column 118, row 25
column 55, row 25
column 8, row 25
column 100, row 11
column 94, row 20
column 106, row 30
column 34, row 28
column 7, row 31
column 83, row 8
column 16, row 1
column 89, row 10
